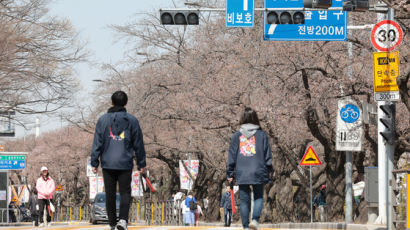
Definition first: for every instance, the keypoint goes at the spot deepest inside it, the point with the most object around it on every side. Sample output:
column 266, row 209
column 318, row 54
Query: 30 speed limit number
column 386, row 35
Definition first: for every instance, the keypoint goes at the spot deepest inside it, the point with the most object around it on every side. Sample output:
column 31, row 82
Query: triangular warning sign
column 59, row 188
column 310, row 158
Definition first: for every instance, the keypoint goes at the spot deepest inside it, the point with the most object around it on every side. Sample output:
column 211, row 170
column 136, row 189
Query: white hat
column 44, row 168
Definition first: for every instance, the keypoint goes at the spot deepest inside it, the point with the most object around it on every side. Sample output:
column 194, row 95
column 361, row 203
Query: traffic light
column 285, row 17
column 179, row 17
column 321, row 4
column 389, row 134
column 356, row 5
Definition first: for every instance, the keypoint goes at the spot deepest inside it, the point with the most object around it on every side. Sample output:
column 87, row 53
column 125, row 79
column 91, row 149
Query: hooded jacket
column 226, row 201
column 117, row 141
column 45, row 188
column 249, row 156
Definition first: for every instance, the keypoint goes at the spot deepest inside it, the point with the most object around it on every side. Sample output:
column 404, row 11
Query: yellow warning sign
column 310, row 158
column 59, row 188
column 386, row 70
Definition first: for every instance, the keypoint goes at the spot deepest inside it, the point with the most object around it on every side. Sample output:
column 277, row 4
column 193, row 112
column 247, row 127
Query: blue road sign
column 239, row 13
column 349, row 113
column 12, row 162
column 319, row 25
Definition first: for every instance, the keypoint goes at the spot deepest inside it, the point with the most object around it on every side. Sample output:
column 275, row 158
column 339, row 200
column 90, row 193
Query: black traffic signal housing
column 390, row 122
column 179, row 17
column 321, row 4
column 356, row 5
column 285, row 17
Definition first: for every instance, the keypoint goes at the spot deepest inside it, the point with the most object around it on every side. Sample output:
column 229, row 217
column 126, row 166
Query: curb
column 315, row 225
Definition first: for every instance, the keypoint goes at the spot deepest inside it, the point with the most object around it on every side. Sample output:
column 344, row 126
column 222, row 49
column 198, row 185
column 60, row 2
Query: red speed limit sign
column 386, row 35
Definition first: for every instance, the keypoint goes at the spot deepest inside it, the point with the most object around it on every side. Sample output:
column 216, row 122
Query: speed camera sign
column 386, row 35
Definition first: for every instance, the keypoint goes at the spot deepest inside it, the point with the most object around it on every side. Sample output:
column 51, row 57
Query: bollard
column 138, row 209
column 152, row 213
column 71, row 213
column 61, row 213
column 80, row 212
column 163, row 206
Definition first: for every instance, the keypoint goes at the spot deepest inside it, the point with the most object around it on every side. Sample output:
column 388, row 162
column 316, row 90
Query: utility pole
column 189, row 168
column 385, row 157
column 349, row 154
column 390, row 158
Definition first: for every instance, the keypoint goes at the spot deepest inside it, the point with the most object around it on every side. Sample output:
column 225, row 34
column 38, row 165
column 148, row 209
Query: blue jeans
column 228, row 215
column 245, row 195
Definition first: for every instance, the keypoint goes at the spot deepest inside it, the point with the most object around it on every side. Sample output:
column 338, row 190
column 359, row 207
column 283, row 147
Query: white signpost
column 348, row 126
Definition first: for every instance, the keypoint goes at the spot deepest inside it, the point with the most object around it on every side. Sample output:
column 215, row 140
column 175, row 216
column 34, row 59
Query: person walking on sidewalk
column 33, row 205
column 45, row 188
column 226, row 204
column 198, row 212
column 117, row 141
column 190, row 203
column 320, row 201
column 250, row 163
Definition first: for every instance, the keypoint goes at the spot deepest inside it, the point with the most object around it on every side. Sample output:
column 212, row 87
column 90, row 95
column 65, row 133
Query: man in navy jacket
column 226, row 203
column 117, row 141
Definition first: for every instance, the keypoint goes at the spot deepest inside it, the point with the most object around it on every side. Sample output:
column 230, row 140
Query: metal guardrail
column 152, row 213
column 12, row 215
column 163, row 213
column 64, row 214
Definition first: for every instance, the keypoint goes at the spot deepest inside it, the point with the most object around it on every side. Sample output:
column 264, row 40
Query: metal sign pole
column 311, row 197
column 349, row 155
column 7, row 195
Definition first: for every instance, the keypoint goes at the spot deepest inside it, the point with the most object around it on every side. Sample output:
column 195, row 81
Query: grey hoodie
column 249, row 130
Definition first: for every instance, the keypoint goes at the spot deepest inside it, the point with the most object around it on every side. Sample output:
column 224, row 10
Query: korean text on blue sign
column 12, row 162
column 322, row 25
column 239, row 13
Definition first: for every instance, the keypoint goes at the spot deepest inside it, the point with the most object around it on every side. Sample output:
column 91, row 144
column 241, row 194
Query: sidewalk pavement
column 314, row 225
column 218, row 225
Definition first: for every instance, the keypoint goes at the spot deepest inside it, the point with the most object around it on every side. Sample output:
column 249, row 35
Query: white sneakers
column 44, row 224
column 254, row 225
column 122, row 225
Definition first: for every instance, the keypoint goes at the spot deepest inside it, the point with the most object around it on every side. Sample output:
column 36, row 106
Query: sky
column 91, row 19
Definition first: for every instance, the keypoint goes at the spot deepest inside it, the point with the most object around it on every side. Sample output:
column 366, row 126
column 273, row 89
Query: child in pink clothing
column 45, row 188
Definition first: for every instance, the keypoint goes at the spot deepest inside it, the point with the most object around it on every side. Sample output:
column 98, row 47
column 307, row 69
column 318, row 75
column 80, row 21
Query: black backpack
column 192, row 205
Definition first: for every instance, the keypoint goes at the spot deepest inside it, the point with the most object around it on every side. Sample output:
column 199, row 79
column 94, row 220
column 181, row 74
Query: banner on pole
column 136, row 189
column 94, row 184
column 186, row 182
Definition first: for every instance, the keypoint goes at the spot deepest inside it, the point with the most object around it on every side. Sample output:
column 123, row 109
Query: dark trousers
column 34, row 217
column 228, row 217
column 43, row 203
column 123, row 177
